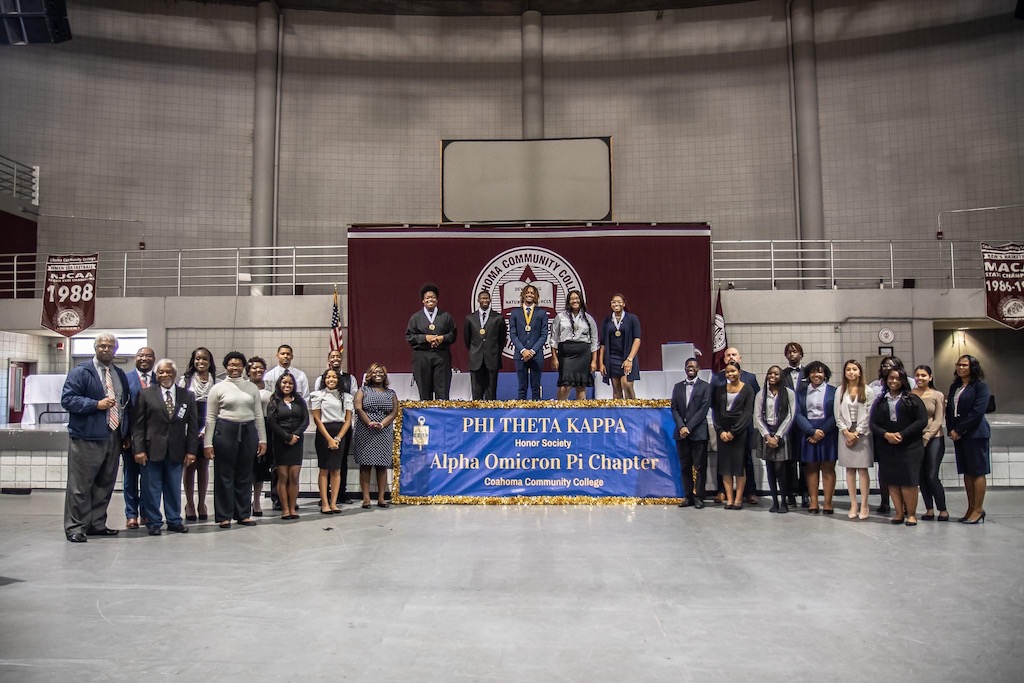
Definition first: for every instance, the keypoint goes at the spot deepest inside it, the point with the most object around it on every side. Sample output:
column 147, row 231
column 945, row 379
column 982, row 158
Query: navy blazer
column 534, row 339
column 801, row 421
column 82, row 391
column 692, row 415
column 973, row 403
column 135, row 383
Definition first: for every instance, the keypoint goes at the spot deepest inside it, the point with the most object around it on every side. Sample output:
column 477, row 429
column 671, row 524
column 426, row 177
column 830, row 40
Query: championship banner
column 69, row 294
column 1004, row 283
column 544, row 455
column 663, row 270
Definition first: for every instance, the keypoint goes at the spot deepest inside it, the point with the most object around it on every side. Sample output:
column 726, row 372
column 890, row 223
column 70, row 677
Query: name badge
column 181, row 411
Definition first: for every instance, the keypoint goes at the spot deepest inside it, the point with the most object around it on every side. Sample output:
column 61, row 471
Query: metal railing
column 194, row 272
column 846, row 264
column 742, row 264
column 21, row 181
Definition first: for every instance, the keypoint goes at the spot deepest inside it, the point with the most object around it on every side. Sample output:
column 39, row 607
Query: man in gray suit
column 165, row 437
column 485, row 331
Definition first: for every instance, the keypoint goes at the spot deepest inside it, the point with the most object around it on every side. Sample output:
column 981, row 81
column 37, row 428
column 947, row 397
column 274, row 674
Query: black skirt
column 574, row 364
column 326, row 458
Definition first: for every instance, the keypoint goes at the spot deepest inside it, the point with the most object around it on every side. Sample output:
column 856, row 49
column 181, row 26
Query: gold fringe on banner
column 397, row 497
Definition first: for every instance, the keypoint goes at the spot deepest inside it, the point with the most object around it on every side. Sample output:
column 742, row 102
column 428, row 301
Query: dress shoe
column 698, row 503
column 927, row 517
column 247, row 522
column 257, row 513
column 225, row 524
column 896, row 520
column 943, row 517
column 791, row 500
column 132, row 523
column 882, row 509
column 805, row 502
column 979, row 520
column 366, row 506
column 751, row 500
column 686, row 503
column 154, row 531
column 77, row 537
column 102, row 532
column 828, row 511
column 909, row 523
column 774, row 507
column 813, row 511
column 191, row 518
column 383, row 505
column 783, row 509
column 177, row 528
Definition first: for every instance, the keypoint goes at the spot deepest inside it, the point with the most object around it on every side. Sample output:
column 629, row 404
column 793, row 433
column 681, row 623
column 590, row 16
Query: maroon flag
column 69, row 294
column 1004, row 283
column 719, row 338
column 337, row 343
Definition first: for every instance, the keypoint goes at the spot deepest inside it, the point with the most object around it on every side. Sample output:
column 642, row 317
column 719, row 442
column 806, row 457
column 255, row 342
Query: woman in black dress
column 287, row 417
column 898, row 419
column 966, row 404
column 732, row 410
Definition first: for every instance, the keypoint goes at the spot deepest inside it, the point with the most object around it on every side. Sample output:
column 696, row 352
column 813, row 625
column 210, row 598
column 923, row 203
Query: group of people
column 799, row 422
column 250, row 424
column 581, row 347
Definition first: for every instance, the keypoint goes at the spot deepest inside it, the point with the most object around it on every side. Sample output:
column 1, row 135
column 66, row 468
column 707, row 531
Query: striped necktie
column 114, row 412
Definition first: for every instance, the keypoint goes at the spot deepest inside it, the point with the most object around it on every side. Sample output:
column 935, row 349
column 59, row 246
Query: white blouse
column 332, row 406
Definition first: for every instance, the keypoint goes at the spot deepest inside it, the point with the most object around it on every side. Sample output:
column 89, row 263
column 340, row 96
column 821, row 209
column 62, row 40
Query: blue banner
column 533, row 452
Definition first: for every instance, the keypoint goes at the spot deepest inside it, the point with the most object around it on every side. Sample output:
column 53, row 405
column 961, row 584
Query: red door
column 16, row 390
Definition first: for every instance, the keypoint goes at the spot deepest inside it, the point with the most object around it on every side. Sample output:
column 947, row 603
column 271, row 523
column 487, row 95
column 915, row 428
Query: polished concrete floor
column 594, row 593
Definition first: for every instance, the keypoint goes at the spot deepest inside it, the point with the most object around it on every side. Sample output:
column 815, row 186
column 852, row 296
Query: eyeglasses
column 963, row 365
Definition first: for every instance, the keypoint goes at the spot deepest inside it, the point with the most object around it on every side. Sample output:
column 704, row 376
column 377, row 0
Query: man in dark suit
column 753, row 436
column 165, row 437
column 96, row 397
column 528, row 330
column 691, row 399
column 139, row 378
column 484, row 332
column 430, row 332
column 794, row 376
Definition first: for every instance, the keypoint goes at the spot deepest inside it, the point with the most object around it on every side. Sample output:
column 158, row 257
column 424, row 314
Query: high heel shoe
column 979, row 520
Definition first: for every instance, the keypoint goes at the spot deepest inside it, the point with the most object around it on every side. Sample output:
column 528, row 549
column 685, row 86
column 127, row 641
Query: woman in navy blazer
column 898, row 419
column 966, row 404
column 819, row 437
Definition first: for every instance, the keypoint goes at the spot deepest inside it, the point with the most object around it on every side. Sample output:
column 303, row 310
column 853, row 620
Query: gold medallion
column 527, row 328
column 431, row 327
column 482, row 332
column 618, row 333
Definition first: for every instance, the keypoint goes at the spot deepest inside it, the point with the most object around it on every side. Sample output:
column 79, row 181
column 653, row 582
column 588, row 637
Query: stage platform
column 516, row 593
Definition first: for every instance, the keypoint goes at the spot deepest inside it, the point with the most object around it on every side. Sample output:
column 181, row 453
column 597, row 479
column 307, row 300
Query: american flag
column 337, row 342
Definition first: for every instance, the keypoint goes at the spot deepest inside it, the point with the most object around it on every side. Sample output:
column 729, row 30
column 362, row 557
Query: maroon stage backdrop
column 663, row 270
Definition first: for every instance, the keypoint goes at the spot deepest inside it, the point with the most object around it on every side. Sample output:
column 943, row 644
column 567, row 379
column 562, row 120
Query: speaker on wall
column 28, row 22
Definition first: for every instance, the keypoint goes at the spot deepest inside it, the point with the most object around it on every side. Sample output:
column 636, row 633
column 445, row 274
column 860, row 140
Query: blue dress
column 826, row 450
column 616, row 348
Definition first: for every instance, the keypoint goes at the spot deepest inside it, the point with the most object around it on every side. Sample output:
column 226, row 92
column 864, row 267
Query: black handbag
column 991, row 407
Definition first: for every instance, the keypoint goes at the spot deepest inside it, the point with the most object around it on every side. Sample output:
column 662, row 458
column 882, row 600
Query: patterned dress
column 374, row 446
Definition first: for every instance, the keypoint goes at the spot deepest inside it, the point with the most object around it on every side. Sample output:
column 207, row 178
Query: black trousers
column 693, row 463
column 931, row 485
column 484, row 383
column 92, row 472
column 234, row 451
column 432, row 370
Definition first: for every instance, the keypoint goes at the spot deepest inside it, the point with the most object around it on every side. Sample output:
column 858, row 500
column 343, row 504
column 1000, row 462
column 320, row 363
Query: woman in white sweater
column 235, row 435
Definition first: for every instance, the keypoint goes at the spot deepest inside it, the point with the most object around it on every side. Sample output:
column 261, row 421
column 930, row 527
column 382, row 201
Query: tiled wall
column 921, row 112
column 309, row 344
column 146, row 116
column 25, row 347
column 697, row 103
column 366, row 100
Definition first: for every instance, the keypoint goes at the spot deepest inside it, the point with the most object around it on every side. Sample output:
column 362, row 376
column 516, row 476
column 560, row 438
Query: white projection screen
column 526, row 180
